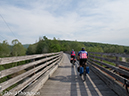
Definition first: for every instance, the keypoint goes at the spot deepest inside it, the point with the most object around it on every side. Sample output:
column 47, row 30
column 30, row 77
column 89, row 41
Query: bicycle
column 85, row 70
column 73, row 61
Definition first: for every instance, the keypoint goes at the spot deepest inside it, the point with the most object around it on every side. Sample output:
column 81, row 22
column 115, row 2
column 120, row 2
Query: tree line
column 45, row 45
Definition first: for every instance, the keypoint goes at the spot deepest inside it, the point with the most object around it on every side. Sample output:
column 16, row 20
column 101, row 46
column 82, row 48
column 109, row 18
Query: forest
column 45, row 45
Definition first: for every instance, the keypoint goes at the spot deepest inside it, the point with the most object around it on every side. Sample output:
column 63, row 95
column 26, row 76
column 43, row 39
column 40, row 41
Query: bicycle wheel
column 72, row 63
column 84, row 73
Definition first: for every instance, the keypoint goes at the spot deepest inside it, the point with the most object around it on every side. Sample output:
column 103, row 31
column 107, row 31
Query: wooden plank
column 113, row 84
column 18, row 78
column 123, row 67
column 30, row 80
column 113, row 61
column 40, row 82
column 22, row 58
column 113, row 67
column 21, row 67
column 33, row 78
column 17, row 59
column 116, row 76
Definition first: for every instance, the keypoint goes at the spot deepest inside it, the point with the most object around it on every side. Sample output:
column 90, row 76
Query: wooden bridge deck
column 67, row 82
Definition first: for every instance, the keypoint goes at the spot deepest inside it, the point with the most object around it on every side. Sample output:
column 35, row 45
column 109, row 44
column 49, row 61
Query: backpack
column 83, row 55
column 72, row 53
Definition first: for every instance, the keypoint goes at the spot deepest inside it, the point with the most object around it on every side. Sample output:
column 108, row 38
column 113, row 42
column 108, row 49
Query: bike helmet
column 83, row 48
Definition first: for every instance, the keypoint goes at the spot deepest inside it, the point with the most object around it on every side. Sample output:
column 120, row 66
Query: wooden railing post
column 117, row 65
column 34, row 65
column 117, row 58
column 93, row 55
column 46, row 60
column 101, row 59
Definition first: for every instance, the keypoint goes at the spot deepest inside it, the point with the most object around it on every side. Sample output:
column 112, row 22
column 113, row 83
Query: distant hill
column 26, row 45
column 46, row 45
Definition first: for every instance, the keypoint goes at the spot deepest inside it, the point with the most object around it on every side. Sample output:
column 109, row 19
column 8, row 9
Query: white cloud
column 91, row 20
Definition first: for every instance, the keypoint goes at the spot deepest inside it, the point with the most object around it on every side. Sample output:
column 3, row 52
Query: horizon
column 73, row 41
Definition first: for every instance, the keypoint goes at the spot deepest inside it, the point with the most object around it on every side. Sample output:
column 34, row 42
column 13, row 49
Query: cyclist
column 73, row 54
column 82, row 56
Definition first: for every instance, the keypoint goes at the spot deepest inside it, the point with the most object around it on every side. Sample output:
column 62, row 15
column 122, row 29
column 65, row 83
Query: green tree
column 31, row 49
column 76, row 45
column 17, row 49
column 4, row 49
column 54, row 45
column 94, row 49
column 120, row 49
column 42, row 47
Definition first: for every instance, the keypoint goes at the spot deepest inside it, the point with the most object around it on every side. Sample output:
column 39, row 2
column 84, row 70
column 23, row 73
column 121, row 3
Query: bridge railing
column 22, row 76
column 113, row 71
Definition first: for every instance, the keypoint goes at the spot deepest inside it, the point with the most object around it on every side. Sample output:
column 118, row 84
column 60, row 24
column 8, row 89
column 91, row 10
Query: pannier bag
column 87, row 69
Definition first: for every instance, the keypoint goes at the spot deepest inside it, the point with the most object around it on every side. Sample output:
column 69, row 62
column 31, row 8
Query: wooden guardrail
column 113, row 71
column 38, row 66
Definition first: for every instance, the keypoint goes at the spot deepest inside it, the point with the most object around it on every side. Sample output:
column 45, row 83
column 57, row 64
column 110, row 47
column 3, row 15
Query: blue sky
column 103, row 21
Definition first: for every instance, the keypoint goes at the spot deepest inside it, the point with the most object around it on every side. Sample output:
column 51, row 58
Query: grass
column 104, row 61
column 109, row 57
column 10, row 65
column 110, row 63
